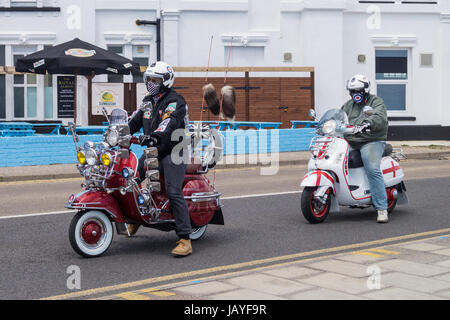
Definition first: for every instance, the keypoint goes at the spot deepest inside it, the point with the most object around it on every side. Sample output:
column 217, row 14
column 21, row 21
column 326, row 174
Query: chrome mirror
column 368, row 111
column 312, row 114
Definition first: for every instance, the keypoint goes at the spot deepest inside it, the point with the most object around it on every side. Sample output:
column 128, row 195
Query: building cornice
column 245, row 40
column 394, row 40
column 27, row 38
column 128, row 38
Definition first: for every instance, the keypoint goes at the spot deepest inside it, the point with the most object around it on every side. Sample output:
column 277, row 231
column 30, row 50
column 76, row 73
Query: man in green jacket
column 371, row 141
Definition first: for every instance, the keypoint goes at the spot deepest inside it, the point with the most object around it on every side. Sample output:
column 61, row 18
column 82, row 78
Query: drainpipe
column 156, row 23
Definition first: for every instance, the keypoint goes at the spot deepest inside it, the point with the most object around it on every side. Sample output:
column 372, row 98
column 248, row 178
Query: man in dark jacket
column 162, row 112
column 372, row 140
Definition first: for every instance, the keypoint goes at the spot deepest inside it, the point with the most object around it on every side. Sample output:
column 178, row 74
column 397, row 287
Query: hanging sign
column 107, row 95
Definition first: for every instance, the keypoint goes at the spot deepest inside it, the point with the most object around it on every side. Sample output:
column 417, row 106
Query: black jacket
column 161, row 120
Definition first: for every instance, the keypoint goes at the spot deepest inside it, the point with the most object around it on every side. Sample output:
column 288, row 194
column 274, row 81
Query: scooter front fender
column 98, row 200
column 319, row 178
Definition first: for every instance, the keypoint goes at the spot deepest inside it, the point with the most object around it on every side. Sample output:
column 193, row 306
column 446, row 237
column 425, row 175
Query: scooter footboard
column 319, row 178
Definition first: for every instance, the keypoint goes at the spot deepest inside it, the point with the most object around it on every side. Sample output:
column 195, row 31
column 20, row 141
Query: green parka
column 378, row 121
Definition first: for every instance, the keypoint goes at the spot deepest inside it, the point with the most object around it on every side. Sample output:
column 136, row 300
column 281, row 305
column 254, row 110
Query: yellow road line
column 239, row 265
column 157, row 292
column 132, row 296
column 394, row 253
column 369, row 254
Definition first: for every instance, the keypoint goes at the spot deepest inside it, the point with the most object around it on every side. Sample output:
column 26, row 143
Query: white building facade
column 402, row 46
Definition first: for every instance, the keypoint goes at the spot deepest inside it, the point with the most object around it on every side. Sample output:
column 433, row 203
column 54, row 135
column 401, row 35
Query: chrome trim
column 69, row 206
column 203, row 196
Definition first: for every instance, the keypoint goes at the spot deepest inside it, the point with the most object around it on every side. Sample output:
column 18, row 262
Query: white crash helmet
column 359, row 83
column 160, row 70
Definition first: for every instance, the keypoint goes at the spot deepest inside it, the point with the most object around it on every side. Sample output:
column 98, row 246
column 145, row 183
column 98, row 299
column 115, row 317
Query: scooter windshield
column 334, row 114
column 118, row 117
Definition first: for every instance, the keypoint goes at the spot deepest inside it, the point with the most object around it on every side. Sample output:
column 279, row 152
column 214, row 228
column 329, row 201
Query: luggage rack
column 398, row 155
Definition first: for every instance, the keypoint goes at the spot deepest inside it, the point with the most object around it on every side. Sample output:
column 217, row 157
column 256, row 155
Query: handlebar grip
column 134, row 140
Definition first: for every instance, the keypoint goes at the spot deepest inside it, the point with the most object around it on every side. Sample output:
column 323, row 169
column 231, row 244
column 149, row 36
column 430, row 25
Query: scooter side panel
column 97, row 200
column 392, row 172
column 201, row 213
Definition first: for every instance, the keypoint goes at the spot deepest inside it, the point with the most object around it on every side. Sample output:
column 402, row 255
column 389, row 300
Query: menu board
column 66, row 96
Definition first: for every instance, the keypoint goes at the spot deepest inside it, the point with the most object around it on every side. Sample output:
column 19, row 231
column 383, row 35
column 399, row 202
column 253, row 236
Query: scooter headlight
column 112, row 137
column 106, row 159
column 141, row 200
column 127, row 173
column 81, row 157
column 91, row 157
column 329, row 127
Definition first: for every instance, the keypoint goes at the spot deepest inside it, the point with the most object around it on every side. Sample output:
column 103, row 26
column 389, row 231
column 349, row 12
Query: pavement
column 412, row 149
column 408, row 270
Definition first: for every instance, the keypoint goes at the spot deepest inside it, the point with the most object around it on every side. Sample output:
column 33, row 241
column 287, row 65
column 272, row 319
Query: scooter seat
column 355, row 160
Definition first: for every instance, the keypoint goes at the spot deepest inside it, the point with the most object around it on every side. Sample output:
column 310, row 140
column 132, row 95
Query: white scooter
column 336, row 176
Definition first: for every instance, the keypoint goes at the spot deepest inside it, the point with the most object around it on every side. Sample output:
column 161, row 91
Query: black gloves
column 362, row 128
column 147, row 141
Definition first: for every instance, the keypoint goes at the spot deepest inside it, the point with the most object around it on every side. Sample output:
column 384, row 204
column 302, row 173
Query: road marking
column 132, row 296
column 369, row 254
column 260, row 195
column 225, row 198
column 37, row 214
column 249, row 264
column 390, row 252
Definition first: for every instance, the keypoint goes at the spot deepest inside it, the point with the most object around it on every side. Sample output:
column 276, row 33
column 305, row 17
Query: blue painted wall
column 44, row 150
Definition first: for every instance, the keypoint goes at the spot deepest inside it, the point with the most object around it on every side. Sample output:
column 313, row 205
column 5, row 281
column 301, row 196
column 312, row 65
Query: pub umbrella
column 76, row 57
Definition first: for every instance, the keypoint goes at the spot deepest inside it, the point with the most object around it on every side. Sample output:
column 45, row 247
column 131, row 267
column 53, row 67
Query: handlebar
column 134, row 140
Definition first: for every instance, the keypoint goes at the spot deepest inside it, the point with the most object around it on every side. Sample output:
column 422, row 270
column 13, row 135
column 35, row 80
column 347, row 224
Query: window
column 24, row 87
column 140, row 55
column 113, row 78
column 392, row 77
column 23, row 3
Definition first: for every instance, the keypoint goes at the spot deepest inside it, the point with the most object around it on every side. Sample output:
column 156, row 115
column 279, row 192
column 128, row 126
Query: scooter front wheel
column 313, row 210
column 90, row 233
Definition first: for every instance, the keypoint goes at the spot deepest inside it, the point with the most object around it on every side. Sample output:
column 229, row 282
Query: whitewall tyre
column 90, row 233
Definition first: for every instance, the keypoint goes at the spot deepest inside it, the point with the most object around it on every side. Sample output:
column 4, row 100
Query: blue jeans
column 371, row 154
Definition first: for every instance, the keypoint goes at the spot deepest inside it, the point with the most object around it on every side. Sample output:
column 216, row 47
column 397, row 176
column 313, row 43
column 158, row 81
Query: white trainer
column 383, row 216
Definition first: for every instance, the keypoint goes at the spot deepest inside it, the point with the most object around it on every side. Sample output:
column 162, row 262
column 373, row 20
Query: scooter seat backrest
column 388, row 150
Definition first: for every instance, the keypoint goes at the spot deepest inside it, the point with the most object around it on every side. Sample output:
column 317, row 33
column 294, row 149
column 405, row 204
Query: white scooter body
column 329, row 168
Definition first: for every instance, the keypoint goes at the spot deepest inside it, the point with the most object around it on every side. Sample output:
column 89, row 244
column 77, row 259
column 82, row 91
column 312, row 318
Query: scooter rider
column 161, row 112
column 371, row 140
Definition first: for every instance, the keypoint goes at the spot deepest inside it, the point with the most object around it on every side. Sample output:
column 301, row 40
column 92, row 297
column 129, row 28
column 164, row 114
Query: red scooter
column 112, row 194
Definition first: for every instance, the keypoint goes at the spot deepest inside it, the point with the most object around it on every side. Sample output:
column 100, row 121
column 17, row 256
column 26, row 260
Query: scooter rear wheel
column 90, row 233
column 313, row 210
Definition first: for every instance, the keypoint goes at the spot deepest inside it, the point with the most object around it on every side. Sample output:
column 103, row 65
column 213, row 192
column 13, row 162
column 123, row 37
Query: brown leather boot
column 184, row 248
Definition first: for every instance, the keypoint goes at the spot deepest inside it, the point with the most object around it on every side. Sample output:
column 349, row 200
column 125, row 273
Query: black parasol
column 76, row 57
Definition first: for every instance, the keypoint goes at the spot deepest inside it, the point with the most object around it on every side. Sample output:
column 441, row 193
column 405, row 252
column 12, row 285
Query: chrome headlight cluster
column 112, row 137
column 329, row 127
column 93, row 153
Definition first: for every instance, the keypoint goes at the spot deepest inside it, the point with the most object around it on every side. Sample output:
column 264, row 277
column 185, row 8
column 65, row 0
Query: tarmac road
column 36, row 252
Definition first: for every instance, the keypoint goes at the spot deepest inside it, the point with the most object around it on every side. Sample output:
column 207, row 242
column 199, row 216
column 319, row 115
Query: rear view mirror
column 312, row 114
column 368, row 111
